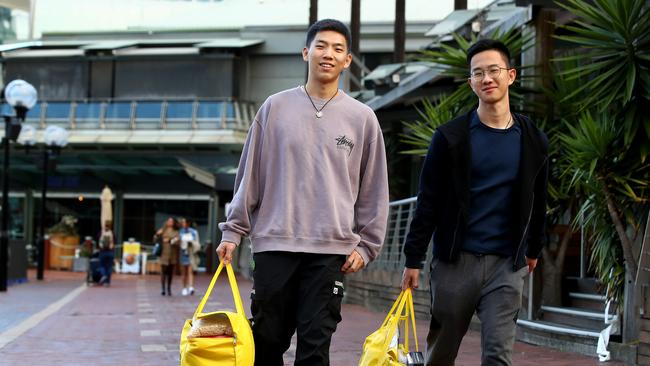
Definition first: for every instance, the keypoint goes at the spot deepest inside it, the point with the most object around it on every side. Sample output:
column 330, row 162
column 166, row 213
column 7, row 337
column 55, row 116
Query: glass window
column 209, row 110
column 178, row 110
column 118, row 110
column 58, row 110
column 7, row 110
column 17, row 217
column 148, row 110
column 143, row 217
column 230, row 110
column 34, row 114
column 88, row 111
column 87, row 212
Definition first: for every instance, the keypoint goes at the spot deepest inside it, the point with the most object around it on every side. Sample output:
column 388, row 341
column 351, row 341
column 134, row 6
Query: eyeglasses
column 493, row 72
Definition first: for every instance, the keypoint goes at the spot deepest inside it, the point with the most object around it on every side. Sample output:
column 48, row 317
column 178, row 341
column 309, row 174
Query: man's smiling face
column 327, row 56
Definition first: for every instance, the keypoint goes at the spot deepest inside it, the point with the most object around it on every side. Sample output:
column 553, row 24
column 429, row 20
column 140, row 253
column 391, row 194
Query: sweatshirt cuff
column 414, row 263
column 364, row 254
column 231, row 236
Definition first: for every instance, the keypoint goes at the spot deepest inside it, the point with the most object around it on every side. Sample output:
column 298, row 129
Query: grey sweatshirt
column 312, row 185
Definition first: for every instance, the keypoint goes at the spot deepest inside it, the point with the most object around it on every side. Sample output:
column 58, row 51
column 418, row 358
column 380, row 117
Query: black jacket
column 443, row 200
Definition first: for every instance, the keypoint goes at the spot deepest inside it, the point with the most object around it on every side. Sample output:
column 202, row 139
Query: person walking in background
column 168, row 237
column 311, row 192
column 190, row 245
column 106, row 245
column 483, row 199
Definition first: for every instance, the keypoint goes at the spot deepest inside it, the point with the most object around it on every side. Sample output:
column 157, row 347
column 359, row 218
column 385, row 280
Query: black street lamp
column 55, row 138
column 21, row 95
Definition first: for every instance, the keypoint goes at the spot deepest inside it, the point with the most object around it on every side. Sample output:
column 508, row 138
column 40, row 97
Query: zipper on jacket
column 523, row 237
column 453, row 243
column 530, row 214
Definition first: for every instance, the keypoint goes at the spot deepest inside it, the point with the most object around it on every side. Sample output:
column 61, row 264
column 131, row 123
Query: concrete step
column 570, row 339
column 586, row 284
column 584, row 293
column 558, row 336
column 576, row 317
column 587, row 301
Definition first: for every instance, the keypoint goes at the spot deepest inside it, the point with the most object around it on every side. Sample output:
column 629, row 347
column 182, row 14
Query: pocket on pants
column 336, row 292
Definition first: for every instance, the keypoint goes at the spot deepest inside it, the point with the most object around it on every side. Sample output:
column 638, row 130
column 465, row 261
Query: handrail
column 229, row 116
column 391, row 258
column 400, row 214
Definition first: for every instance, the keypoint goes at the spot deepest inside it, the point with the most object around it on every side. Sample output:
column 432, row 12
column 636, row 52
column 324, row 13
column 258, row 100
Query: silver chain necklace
column 509, row 121
column 319, row 112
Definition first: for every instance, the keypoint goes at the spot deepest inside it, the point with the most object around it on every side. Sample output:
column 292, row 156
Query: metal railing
column 400, row 215
column 142, row 115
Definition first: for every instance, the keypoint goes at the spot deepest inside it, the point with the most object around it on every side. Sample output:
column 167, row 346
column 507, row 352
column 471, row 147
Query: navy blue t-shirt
column 495, row 166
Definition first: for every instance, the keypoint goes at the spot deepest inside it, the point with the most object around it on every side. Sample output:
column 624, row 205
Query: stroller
column 94, row 274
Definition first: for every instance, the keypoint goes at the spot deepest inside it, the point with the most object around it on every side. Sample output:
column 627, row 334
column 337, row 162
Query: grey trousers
column 483, row 284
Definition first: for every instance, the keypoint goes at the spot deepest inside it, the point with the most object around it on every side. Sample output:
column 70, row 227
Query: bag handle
column 410, row 313
column 405, row 312
column 399, row 304
column 233, row 286
column 415, row 333
column 393, row 308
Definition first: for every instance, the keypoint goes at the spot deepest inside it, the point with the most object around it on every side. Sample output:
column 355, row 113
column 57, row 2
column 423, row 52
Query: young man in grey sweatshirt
column 311, row 193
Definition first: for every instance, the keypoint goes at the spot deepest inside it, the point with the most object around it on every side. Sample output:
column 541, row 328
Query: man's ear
column 348, row 61
column 469, row 82
column 512, row 75
column 305, row 54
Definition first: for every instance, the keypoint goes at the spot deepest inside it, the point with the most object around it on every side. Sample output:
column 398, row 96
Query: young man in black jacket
column 483, row 199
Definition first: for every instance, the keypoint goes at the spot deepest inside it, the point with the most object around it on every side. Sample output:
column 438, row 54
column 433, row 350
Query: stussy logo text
column 344, row 143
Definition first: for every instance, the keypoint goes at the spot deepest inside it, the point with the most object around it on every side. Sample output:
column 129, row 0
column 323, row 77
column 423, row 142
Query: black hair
column 328, row 25
column 486, row 45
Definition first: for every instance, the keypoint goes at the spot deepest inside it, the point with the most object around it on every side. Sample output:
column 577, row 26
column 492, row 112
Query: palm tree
column 615, row 182
column 606, row 150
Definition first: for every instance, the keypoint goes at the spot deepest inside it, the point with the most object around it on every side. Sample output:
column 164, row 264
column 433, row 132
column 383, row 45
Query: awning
column 43, row 53
column 122, row 47
column 498, row 14
column 230, row 43
column 198, row 174
column 452, row 22
column 156, row 51
column 415, row 75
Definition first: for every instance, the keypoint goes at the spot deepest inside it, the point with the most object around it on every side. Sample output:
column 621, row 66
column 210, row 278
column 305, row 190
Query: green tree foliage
column 605, row 145
column 597, row 123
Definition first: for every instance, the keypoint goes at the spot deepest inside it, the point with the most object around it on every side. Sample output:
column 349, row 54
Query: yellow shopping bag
column 237, row 349
column 383, row 348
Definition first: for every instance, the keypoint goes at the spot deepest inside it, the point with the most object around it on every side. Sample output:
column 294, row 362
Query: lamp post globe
column 27, row 136
column 56, row 136
column 20, row 93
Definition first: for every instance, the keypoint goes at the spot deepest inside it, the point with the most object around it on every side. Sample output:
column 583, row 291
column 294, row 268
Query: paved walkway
column 60, row 321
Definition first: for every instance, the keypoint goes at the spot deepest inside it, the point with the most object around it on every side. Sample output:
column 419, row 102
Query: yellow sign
column 131, row 247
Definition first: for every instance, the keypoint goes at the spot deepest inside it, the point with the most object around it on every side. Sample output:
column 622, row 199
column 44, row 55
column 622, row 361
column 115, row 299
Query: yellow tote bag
column 238, row 350
column 377, row 348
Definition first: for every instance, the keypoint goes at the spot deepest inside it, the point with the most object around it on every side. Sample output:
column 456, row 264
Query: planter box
column 61, row 251
column 153, row 266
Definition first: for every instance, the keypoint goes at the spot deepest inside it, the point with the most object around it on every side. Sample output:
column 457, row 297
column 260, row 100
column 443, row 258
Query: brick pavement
column 130, row 323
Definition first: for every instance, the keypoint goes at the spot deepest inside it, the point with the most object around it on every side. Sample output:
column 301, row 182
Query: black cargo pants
column 295, row 292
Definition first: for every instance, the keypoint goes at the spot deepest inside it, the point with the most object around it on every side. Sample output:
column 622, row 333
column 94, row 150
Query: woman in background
column 190, row 245
column 106, row 245
column 169, row 240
